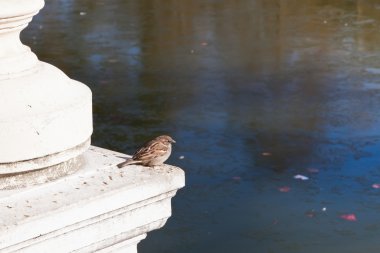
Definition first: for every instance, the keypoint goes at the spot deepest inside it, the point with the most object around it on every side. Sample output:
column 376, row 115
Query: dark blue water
column 254, row 92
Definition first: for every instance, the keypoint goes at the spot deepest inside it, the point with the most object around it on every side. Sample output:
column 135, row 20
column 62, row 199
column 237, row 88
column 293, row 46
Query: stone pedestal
column 99, row 208
column 45, row 117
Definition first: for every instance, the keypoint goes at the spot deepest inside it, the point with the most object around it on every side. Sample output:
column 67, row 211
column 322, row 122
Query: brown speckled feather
column 151, row 150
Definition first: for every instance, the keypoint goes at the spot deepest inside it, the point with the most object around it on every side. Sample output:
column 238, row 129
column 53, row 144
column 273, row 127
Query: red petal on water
column 349, row 217
column 284, row 189
column 376, row 186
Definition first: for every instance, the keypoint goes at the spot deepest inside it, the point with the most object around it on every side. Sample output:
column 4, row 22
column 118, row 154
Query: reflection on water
column 255, row 92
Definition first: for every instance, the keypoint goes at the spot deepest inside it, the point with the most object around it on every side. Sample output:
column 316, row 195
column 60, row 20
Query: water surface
column 254, row 92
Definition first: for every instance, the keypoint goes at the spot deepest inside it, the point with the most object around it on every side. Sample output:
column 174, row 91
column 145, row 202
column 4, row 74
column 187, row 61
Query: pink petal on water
column 284, row 189
column 266, row 154
column 311, row 213
column 349, row 217
column 236, row 178
column 376, row 186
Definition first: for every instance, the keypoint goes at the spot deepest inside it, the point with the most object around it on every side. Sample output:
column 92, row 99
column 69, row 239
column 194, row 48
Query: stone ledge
column 99, row 208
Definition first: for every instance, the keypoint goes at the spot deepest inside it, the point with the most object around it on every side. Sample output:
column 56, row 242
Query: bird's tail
column 127, row 162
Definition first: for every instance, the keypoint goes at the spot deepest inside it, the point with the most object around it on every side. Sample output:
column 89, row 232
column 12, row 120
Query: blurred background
column 254, row 92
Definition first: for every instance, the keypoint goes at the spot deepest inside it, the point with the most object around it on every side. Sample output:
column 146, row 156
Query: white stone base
column 99, row 208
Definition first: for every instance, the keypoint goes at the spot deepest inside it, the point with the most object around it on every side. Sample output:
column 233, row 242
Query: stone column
column 58, row 193
column 45, row 117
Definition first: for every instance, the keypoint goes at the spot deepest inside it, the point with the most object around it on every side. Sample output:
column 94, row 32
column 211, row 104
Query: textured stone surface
column 98, row 208
column 16, row 8
column 58, row 164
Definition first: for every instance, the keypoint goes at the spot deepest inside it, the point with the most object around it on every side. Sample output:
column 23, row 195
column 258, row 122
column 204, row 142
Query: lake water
column 255, row 92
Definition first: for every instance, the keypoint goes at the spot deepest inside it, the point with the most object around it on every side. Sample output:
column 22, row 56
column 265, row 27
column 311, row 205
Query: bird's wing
column 150, row 151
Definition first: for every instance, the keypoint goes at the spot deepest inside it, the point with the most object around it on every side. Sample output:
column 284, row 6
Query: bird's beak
column 173, row 141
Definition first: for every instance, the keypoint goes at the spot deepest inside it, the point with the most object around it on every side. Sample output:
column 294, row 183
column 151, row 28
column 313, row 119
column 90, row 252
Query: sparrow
column 152, row 153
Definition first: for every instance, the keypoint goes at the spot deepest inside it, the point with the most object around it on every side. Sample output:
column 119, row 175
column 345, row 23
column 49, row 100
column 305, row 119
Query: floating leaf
column 112, row 60
column 312, row 170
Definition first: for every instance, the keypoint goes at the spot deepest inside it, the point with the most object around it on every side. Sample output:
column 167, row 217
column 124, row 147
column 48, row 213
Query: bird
column 152, row 153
